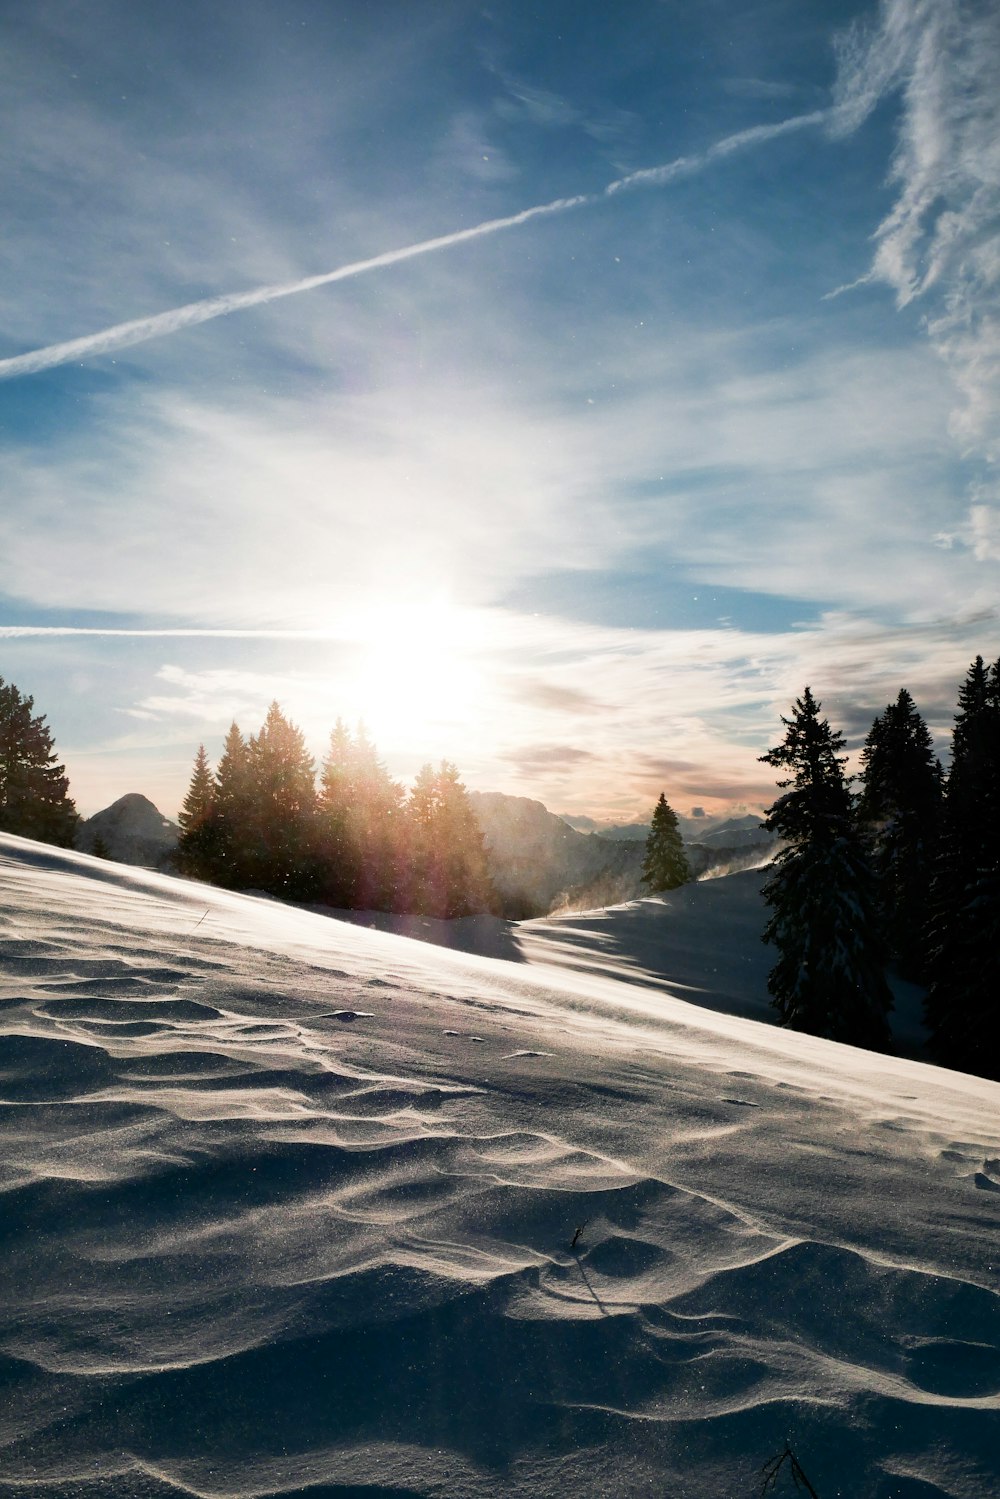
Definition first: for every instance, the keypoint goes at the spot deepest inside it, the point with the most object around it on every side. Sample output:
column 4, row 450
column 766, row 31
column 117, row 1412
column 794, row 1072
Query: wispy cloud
column 760, row 88
column 469, row 149
column 799, row 481
column 541, row 107
column 551, row 697
column 398, row 493
column 945, row 59
column 214, row 696
column 534, row 760
column 139, row 330
column 598, row 396
column 686, row 711
column 940, row 242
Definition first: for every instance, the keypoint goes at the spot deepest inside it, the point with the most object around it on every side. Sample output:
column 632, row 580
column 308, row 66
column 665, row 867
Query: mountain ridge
column 132, row 831
column 538, row 862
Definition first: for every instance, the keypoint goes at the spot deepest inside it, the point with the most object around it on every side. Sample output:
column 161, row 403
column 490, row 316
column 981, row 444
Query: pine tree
column 963, row 1002
column 467, row 884
column 99, row 848
column 197, row 846
column 230, row 863
column 282, row 854
column 34, row 791
column 422, row 858
column 375, row 820
column 338, row 849
column 448, row 867
column 359, row 820
column 665, row 866
column 828, row 979
column 899, row 813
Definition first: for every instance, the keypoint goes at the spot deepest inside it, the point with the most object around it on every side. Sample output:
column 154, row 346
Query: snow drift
column 289, row 1206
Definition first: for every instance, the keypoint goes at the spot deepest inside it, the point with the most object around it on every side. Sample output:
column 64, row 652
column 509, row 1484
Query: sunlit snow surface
column 253, row 1245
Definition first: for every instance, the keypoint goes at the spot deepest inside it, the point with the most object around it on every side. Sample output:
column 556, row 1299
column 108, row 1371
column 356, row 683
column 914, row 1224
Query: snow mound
column 516, row 1229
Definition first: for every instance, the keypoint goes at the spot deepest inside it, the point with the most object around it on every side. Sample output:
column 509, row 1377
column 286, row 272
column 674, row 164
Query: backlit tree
column 447, row 861
column 280, row 849
column 665, row 865
column 232, row 812
column 338, row 850
column 899, row 812
column 34, row 791
column 829, row 977
column 963, row 1002
column 197, row 846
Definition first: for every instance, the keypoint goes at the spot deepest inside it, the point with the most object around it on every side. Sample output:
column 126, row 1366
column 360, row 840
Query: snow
column 671, row 940
column 288, row 1208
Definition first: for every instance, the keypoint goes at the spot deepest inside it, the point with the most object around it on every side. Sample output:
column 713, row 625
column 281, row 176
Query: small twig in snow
column 769, row 1473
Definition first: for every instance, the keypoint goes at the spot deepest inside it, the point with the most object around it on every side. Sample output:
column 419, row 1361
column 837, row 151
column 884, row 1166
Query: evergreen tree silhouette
column 280, row 852
column 232, row 815
column 448, row 866
column 375, row 819
column 197, row 846
column 963, row 1001
column 828, row 979
column 339, row 853
column 899, row 812
column 99, row 848
column 360, row 824
column 665, row 865
column 34, row 791
column 467, row 884
column 424, row 891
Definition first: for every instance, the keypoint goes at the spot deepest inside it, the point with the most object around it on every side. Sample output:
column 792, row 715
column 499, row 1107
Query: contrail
column 19, row 632
column 122, row 335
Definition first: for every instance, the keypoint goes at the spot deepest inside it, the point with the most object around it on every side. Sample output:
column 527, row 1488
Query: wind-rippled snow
column 288, row 1206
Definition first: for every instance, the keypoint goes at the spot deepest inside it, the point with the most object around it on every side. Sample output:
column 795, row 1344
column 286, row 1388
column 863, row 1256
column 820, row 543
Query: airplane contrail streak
column 122, row 335
column 18, row 632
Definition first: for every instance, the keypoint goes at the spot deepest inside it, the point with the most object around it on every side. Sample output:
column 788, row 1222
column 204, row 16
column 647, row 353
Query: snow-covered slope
column 702, row 942
column 289, row 1206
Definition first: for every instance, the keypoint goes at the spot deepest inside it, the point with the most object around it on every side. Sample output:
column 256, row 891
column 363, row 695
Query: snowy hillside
column 295, row 1207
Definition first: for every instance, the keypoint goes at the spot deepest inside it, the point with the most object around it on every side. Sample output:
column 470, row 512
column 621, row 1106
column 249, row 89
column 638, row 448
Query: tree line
column 907, row 871
column 351, row 838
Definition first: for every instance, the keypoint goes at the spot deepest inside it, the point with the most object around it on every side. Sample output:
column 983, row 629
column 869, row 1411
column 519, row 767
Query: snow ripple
column 257, row 1251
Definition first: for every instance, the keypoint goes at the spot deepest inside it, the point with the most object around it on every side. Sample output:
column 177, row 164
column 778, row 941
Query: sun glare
column 414, row 675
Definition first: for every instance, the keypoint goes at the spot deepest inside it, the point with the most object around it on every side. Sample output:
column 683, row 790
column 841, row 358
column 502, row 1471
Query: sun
column 414, row 675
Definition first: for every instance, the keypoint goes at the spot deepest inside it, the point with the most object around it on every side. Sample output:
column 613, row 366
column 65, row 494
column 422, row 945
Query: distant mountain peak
column 133, row 804
column 132, row 830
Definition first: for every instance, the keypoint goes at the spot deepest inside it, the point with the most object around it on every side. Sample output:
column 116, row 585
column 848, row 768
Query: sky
column 560, row 389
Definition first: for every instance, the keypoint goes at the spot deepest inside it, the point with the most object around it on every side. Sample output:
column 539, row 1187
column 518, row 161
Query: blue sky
column 580, row 501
